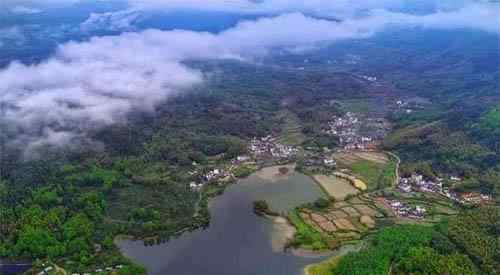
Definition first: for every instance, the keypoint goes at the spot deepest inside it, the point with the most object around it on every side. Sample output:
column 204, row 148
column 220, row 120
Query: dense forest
column 467, row 244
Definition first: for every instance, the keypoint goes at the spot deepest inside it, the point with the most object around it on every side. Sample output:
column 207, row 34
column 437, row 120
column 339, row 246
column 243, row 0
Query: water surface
column 8, row 268
column 237, row 241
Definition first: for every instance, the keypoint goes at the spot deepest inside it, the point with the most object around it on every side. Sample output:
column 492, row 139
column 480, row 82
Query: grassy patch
column 388, row 175
column 323, row 268
column 306, row 236
column 244, row 171
column 367, row 171
column 356, row 105
column 375, row 175
column 291, row 130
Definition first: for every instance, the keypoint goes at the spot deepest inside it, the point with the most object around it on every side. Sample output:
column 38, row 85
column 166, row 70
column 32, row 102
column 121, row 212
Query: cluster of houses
column 347, row 129
column 46, row 270
column 269, row 146
column 49, row 269
column 107, row 269
column 369, row 78
column 403, row 106
column 325, row 160
column 212, row 176
column 475, row 198
column 410, row 105
column 417, row 182
column 405, row 210
column 259, row 148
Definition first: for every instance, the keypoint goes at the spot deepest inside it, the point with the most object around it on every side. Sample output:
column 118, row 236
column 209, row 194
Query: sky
column 91, row 84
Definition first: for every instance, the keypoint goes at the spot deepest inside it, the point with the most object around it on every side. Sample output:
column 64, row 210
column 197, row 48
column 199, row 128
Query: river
column 237, row 242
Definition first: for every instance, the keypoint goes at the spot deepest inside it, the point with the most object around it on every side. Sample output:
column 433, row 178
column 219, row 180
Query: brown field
column 350, row 158
column 338, row 214
column 344, row 224
column 366, row 210
column 356, row 200
column 348, row 235
column 318, row 218
column 327, row 227
column 359, row 184
column 335, row 186
column 368, row 221
column 340, row 204
column 351, row 211
column 273, row 173
column 373, row 156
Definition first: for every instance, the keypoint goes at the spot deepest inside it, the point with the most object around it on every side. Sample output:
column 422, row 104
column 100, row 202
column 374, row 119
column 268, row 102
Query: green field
column 323, row 268
column 356, row 105
column 306, row 236
column 291, row 129
column 375, row 175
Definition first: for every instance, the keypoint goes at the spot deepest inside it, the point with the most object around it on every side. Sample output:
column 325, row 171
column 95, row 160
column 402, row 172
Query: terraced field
column 344, row 221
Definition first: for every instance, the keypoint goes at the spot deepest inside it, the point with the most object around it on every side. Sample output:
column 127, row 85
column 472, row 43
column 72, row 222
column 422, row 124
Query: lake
column 7, row 268
column 237, row 242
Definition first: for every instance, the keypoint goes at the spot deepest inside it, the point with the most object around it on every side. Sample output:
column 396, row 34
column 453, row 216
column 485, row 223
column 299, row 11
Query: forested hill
column 465, row 245
column 67, row 206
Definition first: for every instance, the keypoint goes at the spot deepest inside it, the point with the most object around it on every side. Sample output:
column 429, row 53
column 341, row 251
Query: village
column 417, row 183
column 355, row 133
column 269, row 147
column 405, row 210
column 264, row 149
column 50, row 269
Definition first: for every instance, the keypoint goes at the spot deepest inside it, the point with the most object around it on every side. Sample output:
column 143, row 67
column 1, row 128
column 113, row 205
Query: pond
column 237, row 242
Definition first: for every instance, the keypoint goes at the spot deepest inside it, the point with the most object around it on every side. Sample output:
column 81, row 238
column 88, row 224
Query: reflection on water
column 11, row 269
column 237, row 241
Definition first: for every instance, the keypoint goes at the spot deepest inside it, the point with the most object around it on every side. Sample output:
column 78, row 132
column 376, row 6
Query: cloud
column 266, row 6
column 97, row 83
column 24, row 10
column 125, row 20
column 337, row 8
column 476, row 16
column 113, row 21
column 139, row 9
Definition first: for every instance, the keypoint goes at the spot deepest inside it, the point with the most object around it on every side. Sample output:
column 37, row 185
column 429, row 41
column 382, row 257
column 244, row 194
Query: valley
column 325, row 147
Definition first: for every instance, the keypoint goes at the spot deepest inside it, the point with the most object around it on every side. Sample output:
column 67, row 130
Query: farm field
column 291, row 131
column 375, row 169
column 344, row 221
column 336, row 187
column 362, row 106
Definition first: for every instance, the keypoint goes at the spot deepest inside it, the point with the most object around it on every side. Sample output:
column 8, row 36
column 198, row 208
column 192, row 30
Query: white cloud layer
column 97, row 83
column 114, row 21
column 337, row 8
